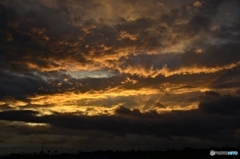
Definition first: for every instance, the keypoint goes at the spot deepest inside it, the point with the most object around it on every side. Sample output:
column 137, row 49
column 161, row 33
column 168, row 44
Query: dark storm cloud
column 23, row 115
column 228, row 33
column 98, row 39
column 217, row 104
column 30, row 83
column 23, row 129
column 217, row 115
column 230, row 79
column 19, row 86
column 38, row 44
column 3, row 17
column 212, row 52
column 198, row 24
column 30, row 34
column 212, row 56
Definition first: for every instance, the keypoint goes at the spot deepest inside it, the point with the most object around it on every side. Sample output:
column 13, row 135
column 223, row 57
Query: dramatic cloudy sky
column 119, row 74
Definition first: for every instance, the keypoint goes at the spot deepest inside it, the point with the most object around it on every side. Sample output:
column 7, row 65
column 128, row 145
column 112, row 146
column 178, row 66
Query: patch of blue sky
column 90, row 74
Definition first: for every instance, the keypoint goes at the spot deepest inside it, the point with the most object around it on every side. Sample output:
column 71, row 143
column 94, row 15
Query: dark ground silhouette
column 186, row 153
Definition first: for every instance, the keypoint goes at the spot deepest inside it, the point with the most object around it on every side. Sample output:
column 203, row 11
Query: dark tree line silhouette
column 187, row 152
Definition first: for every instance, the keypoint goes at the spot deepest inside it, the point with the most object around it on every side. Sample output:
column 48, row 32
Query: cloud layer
column 119, row 72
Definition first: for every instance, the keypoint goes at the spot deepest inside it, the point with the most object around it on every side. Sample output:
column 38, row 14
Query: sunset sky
column 119, row 74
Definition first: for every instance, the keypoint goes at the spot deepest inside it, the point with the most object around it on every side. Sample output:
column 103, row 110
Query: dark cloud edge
column 217, row 115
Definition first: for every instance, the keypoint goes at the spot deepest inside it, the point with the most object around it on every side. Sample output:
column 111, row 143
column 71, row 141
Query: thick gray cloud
column 224, row 105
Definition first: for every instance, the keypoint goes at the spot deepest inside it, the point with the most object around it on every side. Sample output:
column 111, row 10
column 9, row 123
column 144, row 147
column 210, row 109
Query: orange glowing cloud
column 197, row 4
